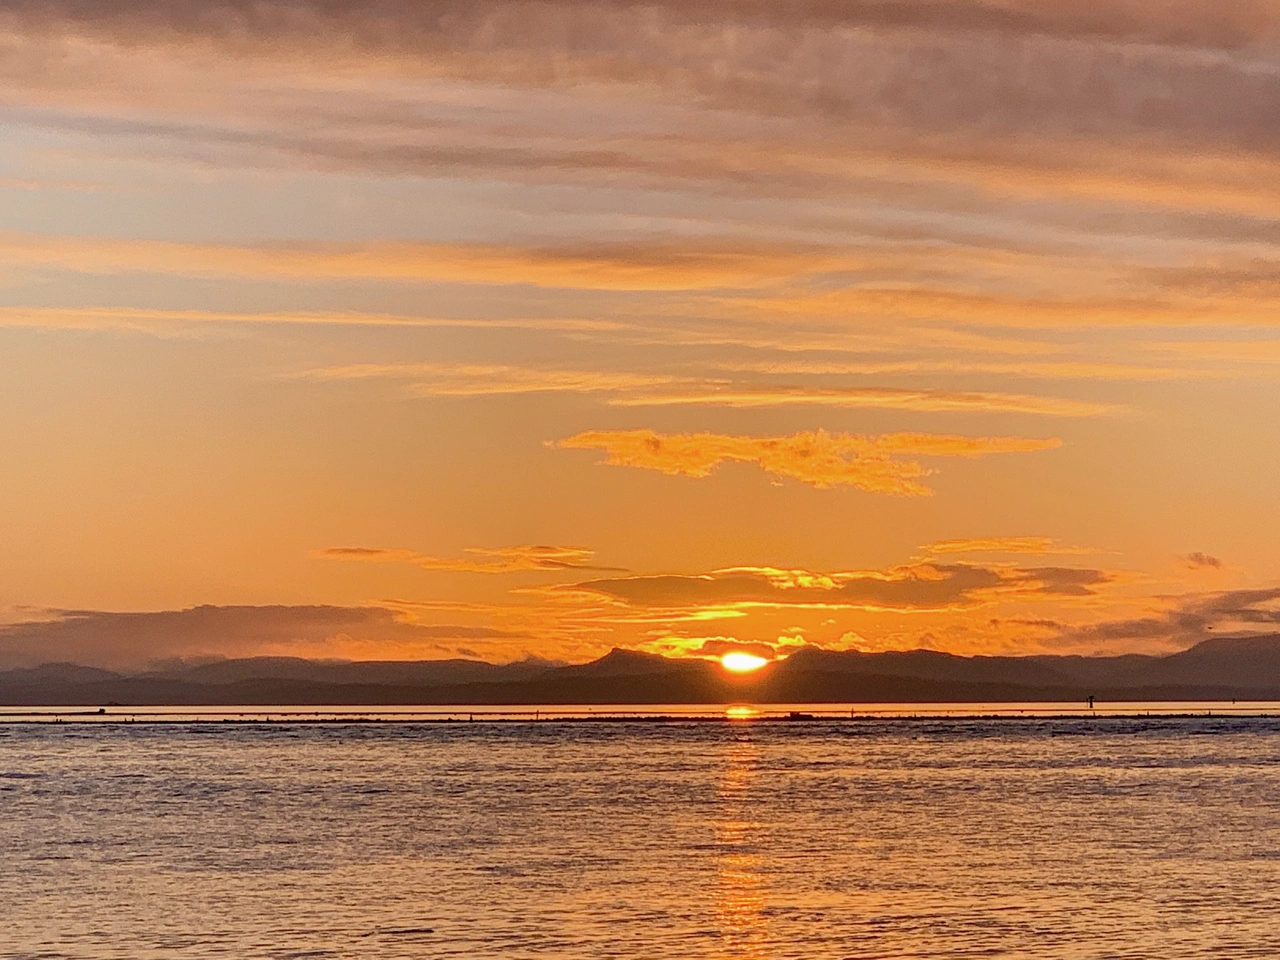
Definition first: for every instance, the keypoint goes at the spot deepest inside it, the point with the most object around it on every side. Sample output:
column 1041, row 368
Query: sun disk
column 739, row 662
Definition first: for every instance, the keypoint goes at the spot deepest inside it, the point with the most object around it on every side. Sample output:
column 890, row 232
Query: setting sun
column 740, row 662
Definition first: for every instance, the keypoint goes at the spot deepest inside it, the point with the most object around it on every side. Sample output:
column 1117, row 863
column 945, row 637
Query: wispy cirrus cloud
column 1196, row 359
column 1247, row 352
column 1110, row 303
column 494, row 379
column 874, row 464
column 1032, row 545
column 641, row 389
column 388, row 26
column 894, row 398
column 518, row 559
column 726, row 275
column 153, row 319
column 652, row 265
column 1056, row 369
column 839, row 104
column 967, row 188
column 883, row 70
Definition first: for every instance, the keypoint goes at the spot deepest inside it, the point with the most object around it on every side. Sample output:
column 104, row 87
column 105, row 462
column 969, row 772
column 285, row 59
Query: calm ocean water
column 965, row 837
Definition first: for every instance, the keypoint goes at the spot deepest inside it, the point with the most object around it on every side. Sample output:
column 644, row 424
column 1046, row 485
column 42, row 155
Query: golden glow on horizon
column 739, row 662
column 742, row 713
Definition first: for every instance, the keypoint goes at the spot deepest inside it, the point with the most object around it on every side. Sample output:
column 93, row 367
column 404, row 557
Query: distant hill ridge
column 1243, row 668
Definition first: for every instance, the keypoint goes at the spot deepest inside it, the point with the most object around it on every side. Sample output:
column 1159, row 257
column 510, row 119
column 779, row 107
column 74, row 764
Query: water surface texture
column 1053, row 838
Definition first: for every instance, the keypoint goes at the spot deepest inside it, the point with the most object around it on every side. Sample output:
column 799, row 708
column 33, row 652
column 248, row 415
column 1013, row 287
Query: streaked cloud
column 152, row 319
column 654, row 265
column 818, row 458
column 894, row 398
column 1064, row 308
column 1035, row 545
column 1064, row 369
column 922, row 586
column 479, row 380
column 1248, row 352
column 721, row 275
column 478, row 560
column 637, row 389
column 874, row 72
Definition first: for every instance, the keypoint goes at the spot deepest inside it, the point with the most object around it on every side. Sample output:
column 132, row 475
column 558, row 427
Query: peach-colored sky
column 500, row 329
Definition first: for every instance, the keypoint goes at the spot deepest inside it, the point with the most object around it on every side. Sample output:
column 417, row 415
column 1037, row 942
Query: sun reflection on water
column 740, row 897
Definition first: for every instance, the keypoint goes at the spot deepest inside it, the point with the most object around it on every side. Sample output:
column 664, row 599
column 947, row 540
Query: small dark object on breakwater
column 797, row 715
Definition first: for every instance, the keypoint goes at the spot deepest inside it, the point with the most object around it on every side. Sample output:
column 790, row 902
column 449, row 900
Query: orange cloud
column 669, row 645
column 490, row 560
column 366, row 554
column 878, row 69
column 1039, row 369
column 653, row 266
column 1061, row 307
column 817, row 458
column 762, row 280
column 635, row 389
column 934, row 401
column 478, row 380
column 1002, row 545
column 1244, row 351
column 909, row 587
column 145, row 318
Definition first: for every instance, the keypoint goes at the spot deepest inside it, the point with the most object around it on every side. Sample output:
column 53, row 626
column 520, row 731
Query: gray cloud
column 1193, row 619
column 977, row 70
column 1197, row 560
column 923, row 586
column 111, row 639
column 391, row 24
column 1001, row 115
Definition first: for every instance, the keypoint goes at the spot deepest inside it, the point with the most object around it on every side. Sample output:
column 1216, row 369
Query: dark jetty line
column 1045, row 712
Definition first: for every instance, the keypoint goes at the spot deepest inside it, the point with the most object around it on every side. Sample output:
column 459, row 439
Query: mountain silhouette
column 1223, row 668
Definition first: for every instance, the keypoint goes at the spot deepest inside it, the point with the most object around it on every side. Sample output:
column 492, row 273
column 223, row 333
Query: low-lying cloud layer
column 925, row 586
column 960, row 607
column 1188, row 620
column 110, row 639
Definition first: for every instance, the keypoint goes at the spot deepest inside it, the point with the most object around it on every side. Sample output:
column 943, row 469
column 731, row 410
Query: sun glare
column 740, row 662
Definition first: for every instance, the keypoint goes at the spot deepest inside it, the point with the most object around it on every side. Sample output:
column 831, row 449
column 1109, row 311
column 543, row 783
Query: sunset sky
column 498, row 329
